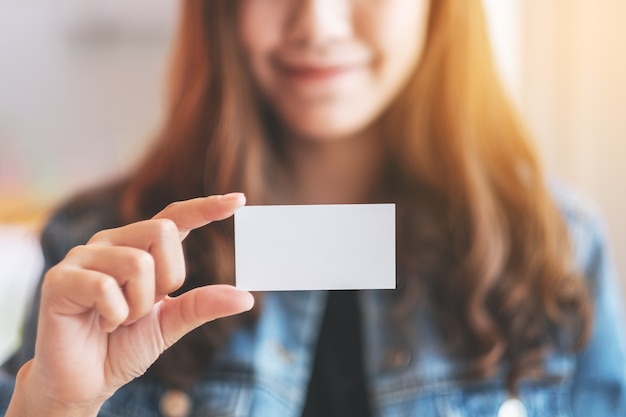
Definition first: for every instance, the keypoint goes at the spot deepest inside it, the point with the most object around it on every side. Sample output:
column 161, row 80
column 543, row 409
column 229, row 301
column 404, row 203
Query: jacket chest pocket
column 223, row 398
column 478, row 400
column 536, row 400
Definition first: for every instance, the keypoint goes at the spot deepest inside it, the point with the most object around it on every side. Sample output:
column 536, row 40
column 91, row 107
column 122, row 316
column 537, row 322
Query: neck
column 338, row 171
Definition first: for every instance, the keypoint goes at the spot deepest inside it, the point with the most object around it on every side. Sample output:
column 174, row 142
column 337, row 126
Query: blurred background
column 81, row 95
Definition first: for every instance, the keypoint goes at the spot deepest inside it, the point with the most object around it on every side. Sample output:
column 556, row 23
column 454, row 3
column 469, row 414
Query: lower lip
column 318, row 75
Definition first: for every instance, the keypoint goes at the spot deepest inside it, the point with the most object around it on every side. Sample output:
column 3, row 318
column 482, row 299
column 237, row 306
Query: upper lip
column 308, row 63
column 312, row 68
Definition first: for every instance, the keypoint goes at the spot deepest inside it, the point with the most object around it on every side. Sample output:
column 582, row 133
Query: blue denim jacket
column 264, row 370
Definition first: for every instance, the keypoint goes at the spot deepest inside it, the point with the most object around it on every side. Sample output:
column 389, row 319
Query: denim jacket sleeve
column 600, row 380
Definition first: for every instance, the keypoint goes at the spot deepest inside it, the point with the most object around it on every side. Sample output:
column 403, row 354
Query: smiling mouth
column 317, row 73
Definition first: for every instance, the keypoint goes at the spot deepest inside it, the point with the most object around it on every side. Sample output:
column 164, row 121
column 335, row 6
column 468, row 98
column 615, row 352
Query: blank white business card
column 315, row 247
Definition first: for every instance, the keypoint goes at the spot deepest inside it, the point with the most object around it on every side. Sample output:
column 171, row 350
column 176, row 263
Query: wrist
column 29, row 399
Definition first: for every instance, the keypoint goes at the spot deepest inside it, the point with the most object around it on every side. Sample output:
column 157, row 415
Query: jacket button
column 175, row 403
column 399, row 359
column 512, row 408
column 284, row 353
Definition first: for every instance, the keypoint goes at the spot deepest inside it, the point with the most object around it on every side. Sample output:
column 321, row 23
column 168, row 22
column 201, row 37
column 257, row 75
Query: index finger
column 197, row 212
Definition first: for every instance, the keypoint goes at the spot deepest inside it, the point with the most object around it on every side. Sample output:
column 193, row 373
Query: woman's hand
column 105, row 314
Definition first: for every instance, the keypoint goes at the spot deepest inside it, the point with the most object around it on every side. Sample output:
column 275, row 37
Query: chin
column 326, row 132
column 328, row 127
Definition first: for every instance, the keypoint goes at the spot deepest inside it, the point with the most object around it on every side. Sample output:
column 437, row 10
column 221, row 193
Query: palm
column 96, row 363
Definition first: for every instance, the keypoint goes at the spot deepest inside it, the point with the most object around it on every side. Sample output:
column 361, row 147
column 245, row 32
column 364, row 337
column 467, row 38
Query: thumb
column 182, row 314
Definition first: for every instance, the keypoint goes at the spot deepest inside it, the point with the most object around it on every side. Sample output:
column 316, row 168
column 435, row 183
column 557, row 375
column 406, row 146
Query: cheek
column 394, row 20
column 397, row 32
column 259, row 27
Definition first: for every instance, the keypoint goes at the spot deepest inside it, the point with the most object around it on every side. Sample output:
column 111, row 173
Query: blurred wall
column 565, row 68
column 80, row 93
column 573, row 95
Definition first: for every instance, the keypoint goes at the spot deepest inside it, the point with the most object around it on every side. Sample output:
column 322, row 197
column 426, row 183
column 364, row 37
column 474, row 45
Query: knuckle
column 176, row 279
column 101, row 236
column 173, row 206
column 141, row 263
column 75, row 252
column 104, row 286
column 179, row 276
column 53, row 276
column 165, row 228
column 172, row 280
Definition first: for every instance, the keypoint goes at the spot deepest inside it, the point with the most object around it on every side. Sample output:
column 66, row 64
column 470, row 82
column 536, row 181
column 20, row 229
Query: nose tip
column 319, row 21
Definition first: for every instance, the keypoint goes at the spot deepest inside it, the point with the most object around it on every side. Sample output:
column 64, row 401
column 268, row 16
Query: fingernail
column 233, row 197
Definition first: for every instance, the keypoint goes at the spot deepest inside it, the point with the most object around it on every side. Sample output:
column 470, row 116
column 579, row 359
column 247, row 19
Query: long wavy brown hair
column 479, row 237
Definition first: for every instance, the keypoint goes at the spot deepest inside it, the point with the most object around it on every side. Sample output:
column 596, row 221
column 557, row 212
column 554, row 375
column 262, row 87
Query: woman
column 504, row 302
